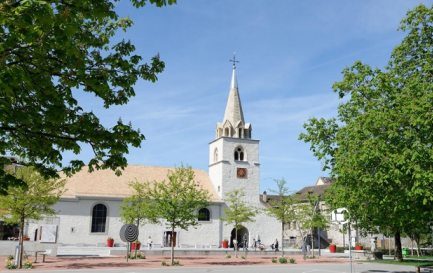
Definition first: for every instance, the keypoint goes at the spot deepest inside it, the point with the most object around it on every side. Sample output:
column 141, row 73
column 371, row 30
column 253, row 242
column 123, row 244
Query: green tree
column 32, row 200
column 177, row 200
column 50, row 52
column 237, row 212
column 136, row 209
column 282, row 207
column 378, row 149
column 310, row 217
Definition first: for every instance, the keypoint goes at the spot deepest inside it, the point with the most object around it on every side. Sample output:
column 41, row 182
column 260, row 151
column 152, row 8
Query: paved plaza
column 252, row 264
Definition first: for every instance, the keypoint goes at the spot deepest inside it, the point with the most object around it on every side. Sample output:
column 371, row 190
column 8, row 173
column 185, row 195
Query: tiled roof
column 104, row 183
column 313, row 190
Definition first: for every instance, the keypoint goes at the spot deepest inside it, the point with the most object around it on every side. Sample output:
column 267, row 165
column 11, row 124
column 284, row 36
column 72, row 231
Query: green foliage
column 282, row 260
column 164, row 263
column 237, row 211
column 137, row 208
column 292, row 261
column 137, row 255
column 31, row 200
column 378, row 149
column 51, row 51
column 177, row 200
column 228, row 256
column 274, row 260
column 282, row 207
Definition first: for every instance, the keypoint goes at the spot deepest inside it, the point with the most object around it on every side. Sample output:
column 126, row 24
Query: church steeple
column 234, row 124
column 234, row 112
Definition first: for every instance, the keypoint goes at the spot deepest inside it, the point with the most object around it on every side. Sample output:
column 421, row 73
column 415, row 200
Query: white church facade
column 89, row 211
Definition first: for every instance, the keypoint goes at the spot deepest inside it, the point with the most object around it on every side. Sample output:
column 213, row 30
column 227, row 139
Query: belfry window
column 239, row 154
column 215, row 155
column 204, row 214
column 99, row 218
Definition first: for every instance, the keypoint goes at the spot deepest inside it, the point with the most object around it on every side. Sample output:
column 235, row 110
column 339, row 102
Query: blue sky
column 290, row 53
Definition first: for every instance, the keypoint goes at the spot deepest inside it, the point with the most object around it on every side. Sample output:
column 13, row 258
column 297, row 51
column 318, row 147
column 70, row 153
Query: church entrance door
column 243, row 237
column 168, row 236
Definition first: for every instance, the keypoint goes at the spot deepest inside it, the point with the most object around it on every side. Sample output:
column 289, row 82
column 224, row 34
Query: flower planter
column 359, row 247
column 332, row 248
column 110, row 242
column 135, row 246
column 225, row 244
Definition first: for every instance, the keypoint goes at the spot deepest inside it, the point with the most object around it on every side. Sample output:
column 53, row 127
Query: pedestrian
column 149, row 243
column 245, row 242
column 276, row 245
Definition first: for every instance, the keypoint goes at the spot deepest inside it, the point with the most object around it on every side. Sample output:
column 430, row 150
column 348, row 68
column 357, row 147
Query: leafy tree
column 137, row 209
column 309, row 217
column 177, row 200
column 282, row 207
column 33, row 200
column 237, row 212
column 378, row 149
column 50, row 52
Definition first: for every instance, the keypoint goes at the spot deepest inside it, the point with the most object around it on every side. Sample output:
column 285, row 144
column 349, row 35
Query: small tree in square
column 32, row 200
column 237, row 212
column 137, row 208
column 177, row 200
column 282, row 207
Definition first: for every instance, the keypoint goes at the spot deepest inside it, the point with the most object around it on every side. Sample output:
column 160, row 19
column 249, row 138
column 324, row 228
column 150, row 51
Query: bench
column 43, row 253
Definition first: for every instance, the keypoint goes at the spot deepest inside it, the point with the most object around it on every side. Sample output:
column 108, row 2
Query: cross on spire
column 234, row 61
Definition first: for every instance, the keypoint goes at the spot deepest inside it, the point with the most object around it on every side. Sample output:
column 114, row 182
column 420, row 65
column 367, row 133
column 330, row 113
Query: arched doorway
column 242, row 236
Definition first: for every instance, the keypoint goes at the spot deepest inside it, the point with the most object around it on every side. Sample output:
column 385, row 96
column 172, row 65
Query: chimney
column 265, row 197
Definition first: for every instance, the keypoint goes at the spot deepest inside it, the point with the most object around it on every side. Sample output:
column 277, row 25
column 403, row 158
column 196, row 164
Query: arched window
column 204, row 214
column 215, row 155
column 99, row 218
column 239, row 154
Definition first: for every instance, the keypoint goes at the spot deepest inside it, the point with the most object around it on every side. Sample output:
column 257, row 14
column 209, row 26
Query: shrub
column 10, row 264
column 282, row 260
column 164, row 263
column 28, row 264
column 243, row 257
column 228, row 256
column 292, row 261
column 274, row 260
column 140, row 255
column 177, row 263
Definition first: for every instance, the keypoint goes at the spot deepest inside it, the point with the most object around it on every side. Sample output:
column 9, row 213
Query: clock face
column 242, row 172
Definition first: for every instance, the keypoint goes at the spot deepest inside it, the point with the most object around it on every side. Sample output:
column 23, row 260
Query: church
column 89, row 211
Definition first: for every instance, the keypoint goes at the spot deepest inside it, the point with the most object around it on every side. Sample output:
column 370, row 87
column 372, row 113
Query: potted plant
column 135, row 245
column 359, row 246
column 225, row 243
column 110, row 242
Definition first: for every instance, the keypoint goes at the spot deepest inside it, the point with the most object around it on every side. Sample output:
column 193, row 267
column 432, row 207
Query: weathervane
column 234, row 60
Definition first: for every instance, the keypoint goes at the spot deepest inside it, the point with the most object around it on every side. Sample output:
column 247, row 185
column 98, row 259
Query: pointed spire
column 234, row 112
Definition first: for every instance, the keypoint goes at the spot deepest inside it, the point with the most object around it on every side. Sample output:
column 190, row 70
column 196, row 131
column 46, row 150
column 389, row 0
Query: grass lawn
column 426, row 261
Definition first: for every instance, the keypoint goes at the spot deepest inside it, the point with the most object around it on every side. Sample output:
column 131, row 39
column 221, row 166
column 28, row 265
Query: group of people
column 258, row 244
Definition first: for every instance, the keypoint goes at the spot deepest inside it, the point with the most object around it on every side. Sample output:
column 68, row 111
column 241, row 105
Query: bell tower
column 233, row 154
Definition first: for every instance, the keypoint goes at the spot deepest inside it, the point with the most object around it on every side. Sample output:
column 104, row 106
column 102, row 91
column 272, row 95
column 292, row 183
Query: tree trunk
column 172, row 245
column 236, row 244
column 312, row 242
column 282, row 239
column 418, row 250
column 21, row 243
column 398, row 255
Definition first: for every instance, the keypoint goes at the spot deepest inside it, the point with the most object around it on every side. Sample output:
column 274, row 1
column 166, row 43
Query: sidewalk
column 74, row 263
